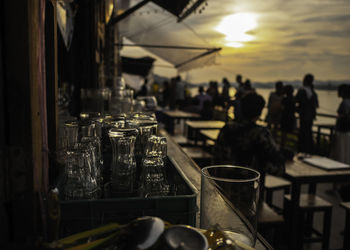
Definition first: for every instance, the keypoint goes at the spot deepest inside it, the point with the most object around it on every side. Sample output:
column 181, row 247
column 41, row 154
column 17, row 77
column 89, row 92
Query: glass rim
column 257, row 177
column 121, row 132
column 71, row 123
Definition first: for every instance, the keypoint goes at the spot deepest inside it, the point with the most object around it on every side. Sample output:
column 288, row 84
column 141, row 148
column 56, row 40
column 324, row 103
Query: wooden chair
column 181, row 140
column 270, row 224
column 272, row 184
column 199, row 155
column 308, row 205
column 346, row 243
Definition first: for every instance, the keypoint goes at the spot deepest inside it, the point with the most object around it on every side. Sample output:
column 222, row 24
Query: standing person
column 172, row 91
column 240, row 92
column 248, row 88
column 341, row 140
column 288, row 120
column 144, row 89
column 225, row 94
column 244, row 143
column 213, row 92
column 307, row 103
column 274, row 108
column 179, row 92
column 166, row 94
column 240, row 88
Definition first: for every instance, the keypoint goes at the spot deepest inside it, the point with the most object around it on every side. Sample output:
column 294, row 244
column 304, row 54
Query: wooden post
column 51, row 81
column 22, row 73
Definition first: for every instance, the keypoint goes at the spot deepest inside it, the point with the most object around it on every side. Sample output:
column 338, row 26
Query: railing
column 323, row 132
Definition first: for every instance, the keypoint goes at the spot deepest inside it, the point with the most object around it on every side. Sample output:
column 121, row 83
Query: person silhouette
column 144, row 88
column 274, row 108
column 240, row 90
column 236, row 103
column 244, row 143
column 306, row 104
column 213, row 92
column 225, row 94
column 166, row 93
column 340, row 146
column 288, row 120
column 201, row 98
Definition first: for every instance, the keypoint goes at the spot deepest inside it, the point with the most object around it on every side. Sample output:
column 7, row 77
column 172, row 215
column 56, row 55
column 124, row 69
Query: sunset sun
column 236, row 26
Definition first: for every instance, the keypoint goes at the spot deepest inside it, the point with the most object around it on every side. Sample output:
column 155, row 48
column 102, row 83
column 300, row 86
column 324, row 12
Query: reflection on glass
column 239, row 188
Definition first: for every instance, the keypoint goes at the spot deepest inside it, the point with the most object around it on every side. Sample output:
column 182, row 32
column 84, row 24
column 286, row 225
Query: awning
column 155, row 28
column 137, row 66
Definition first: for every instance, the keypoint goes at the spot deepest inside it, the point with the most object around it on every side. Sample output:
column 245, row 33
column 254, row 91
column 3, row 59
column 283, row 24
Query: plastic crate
column 80, row 215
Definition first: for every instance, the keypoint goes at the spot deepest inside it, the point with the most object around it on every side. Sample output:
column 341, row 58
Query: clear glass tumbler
column 153, row 175
column 123, row 166
column 236, row 190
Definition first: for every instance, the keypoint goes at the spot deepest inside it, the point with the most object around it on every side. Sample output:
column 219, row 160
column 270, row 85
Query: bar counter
column 193, row 173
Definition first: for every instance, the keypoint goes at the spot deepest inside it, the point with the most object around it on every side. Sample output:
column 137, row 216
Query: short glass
column 239, row 189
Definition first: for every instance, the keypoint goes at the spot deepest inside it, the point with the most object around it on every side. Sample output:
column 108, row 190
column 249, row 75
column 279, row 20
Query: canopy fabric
column 174, row 7
column 152, row 25
column 137, row 66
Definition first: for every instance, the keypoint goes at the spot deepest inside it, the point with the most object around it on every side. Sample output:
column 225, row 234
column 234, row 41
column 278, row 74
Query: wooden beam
column 21, row 53
column 51, row 82
column 128, row 12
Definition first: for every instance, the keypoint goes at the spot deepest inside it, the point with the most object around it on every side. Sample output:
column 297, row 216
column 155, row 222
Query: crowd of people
column 286, row 113
column 282, row 108
column 242, row 141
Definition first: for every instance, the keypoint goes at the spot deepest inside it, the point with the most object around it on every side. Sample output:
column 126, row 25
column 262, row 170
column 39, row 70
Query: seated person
column 201, row 98
column 244, row 143
column 202, row 104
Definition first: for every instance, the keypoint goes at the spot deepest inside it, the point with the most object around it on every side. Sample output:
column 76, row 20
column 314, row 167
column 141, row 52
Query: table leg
column 295, row 239
column 196, row 136
column 346, row 242
column 318, row 136
column 312, row 188
column 310, row 216
column 169, row 124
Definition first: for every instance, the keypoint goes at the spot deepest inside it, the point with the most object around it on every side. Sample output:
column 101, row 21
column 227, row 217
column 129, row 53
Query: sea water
column 328, row 101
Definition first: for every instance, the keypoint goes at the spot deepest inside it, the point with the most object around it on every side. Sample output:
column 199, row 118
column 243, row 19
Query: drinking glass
column 79, row 180
column 239, row 189
column 123, row 166
column 153, row 176
column 70, row 133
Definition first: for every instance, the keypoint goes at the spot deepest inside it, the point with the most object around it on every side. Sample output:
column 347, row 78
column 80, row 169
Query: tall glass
column 153, row 176
column 71, row 132
column 123, row 167
column 79, row 180
column 239, row 189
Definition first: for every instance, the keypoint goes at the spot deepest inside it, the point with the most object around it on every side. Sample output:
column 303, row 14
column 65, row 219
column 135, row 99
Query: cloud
column 344, row 33
column 332, row 18
column 301, row 42
column 292, row 36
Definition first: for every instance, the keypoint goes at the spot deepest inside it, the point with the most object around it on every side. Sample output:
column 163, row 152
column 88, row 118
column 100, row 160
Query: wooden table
column 172, row 115
column 300, row 173
column 193, row 173
column 209, row 136
column 193, row 128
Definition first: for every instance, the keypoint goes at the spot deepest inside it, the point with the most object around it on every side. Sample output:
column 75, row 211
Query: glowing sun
column 236, row 26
